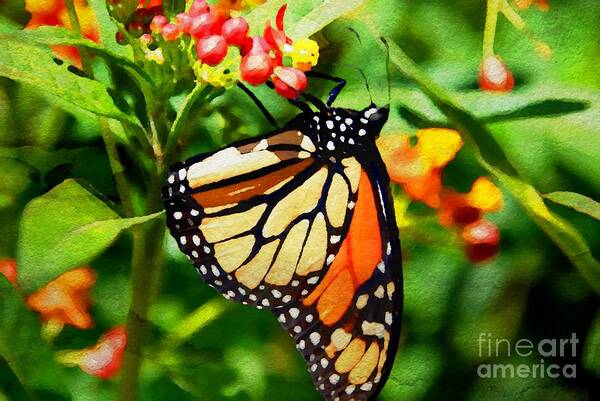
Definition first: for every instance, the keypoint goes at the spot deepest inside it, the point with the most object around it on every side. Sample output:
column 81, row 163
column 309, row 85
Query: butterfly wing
column 348, row 327
column 261, row 220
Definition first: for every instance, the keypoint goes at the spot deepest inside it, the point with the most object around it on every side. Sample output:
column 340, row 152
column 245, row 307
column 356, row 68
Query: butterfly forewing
column 261, row 220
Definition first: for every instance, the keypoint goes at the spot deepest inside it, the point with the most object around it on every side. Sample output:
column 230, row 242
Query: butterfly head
column 374, row 118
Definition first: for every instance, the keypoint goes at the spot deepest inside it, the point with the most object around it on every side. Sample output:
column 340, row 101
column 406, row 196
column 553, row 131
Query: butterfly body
column 301, row 222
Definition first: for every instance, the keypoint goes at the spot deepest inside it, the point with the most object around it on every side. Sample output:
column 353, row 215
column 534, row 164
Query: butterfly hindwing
column 347, row 329
column 260, row 220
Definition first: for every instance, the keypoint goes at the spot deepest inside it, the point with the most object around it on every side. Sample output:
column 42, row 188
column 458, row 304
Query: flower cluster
column 54, row 13
column 418, row 169
column 223, row 46
column 66, row 301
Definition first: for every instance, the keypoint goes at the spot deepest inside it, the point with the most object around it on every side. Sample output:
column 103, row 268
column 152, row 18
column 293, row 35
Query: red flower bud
column 120, row 38
column 235, row 31
column 211, row 50
column 104, row 359
column 495, row 76
column 289, row 82
column 135, row 28
column 256, row 66
column 203, row 25
column 170, row 32
column 198, row 7
column 482, row 240
column 157, row 23
column 184, row 22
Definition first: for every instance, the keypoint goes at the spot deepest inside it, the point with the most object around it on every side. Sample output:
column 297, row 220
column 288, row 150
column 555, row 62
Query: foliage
column 86, row 137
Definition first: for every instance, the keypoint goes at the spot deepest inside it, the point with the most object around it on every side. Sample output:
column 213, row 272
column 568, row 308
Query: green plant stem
column 118, row 171
column 199, row 91
column 146, row 267
column 489, row 32
column 85, row 57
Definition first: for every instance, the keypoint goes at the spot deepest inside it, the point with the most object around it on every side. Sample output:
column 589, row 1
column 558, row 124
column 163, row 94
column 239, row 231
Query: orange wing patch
column 357, row 259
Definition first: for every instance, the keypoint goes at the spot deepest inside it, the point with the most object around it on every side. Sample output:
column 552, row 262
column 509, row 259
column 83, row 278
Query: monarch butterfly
column 301, row 221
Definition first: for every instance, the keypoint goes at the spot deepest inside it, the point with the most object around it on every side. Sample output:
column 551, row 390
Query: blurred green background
column 529, row 291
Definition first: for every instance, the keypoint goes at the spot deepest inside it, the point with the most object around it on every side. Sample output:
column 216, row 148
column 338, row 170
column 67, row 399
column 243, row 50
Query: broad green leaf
column 322, row 16
column 65, row 228
column 576, row 201
column 29, row 358
column 35, row 66
column 54, row 35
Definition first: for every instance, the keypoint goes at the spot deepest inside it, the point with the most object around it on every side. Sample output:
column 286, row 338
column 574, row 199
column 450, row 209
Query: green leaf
column 35, row 66
column 29, row 358
column 54, row 35
column 576, row 201
column 65, row 228
column 321, row 16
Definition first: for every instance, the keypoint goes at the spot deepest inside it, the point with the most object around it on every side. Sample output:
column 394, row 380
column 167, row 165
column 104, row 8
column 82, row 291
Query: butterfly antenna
column 362, row 73
column 387, row 68
column 259, row 104
column 364, row 77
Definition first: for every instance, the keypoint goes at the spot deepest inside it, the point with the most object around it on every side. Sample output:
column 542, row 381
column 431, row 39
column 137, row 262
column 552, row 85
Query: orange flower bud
column 494, row 75
column 8, row 268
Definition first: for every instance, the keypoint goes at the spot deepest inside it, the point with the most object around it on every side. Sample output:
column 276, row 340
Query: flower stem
column 199, row 91
column 489, row 32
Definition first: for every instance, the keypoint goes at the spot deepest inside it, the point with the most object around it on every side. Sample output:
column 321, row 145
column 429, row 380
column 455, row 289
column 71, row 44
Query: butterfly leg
column 259, row 104
column 335, row 91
